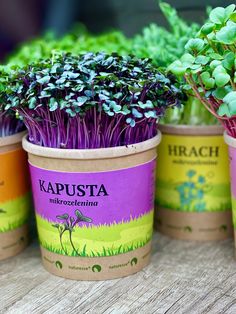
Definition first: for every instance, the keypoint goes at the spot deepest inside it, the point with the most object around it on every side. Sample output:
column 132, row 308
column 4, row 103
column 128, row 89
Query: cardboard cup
column 115, row 240
column 193, row 185
column 14, row 196
column 231, row 142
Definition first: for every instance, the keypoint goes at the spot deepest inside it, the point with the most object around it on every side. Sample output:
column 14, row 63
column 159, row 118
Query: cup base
column 13, row 242
column 96, row 268
column 211, row 226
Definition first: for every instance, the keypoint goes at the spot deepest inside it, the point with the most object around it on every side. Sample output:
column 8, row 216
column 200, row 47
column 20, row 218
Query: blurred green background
column 21, row 20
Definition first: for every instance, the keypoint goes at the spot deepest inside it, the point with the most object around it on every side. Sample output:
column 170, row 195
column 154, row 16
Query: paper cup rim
column 97, row 153
column 229, row 140
column 12, row 139
column 196, row 130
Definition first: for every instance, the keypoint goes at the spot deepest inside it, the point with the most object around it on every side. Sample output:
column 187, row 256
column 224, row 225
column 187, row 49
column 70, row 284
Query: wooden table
column 183, row 277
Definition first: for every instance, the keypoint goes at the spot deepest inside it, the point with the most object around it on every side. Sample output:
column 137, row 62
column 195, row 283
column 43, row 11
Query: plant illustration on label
column 192, row 192
column 68, row 224
column 90, row 190
column 121, row 210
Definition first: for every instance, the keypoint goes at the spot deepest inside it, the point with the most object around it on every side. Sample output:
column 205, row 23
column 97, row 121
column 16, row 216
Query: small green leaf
column 136, row 113
column 81, row 100
column 228, row 61
column 227, row 34
column 230, row 97
column 104, row 74
column 229, row 10
column 177, row 68
column 187, row 59
column 207, row 80
column 32, row 102
column 224, row 110
column 218, row 69
column 61, row 80
column 131, row 122
column 220, row 92
column 222, row 79
column 218, row 15
column 216, row 56
column 53, row 104
column 233, row 17
column 70, row 112
column 44, row 80
column 150, row 114
column 195, row 45
column 147, row 105
column 232, row 107
column 203, row 60
column 207, row 29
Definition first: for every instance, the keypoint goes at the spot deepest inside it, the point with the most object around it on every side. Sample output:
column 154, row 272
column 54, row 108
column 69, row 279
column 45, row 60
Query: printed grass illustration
column 14, row 213
column 234, row 211
column 216, row 198
column 69, row 223
column 96, row 240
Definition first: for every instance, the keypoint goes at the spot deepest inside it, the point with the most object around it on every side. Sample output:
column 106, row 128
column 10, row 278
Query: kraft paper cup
column 94, row 208
column 231, row 142
column 15, row 196
column 193, row 186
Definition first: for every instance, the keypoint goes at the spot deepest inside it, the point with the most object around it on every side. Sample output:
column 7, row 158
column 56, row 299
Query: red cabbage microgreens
column 91, row 100
column 9, row 124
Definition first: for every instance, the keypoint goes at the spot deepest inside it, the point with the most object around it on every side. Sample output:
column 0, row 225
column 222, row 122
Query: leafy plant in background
column 91, row 100
column 109, row 42
column 163, row 47
column 209, row 66
column 9, row 123
column 68, row 224
column 191, row 192
column 77, row 42
column 42, row 47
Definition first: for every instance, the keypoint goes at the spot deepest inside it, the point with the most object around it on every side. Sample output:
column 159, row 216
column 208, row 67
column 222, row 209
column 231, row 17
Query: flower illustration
column 191, row 173
column 201, row 179
column 191, row 192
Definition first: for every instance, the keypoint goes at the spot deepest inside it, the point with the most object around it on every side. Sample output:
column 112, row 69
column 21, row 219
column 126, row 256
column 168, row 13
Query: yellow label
column 193, row 174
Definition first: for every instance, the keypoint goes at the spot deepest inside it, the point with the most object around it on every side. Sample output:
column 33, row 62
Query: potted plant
column 14, row 184
column 92, row 147
column 192, row 188
column 209, row 70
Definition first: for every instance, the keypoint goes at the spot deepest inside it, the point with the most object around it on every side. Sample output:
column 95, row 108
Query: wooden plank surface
column 183, row 277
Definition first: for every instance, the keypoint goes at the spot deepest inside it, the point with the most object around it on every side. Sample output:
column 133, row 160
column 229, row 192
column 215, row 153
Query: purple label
column 104, row 197
column 232, row 156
